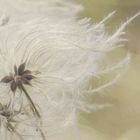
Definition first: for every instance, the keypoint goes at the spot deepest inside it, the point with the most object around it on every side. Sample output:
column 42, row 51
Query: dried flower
column 10, row 120
column 7, row 120
column 18, row 79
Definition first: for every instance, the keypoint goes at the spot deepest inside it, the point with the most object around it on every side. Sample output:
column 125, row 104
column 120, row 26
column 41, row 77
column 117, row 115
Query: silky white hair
column 23, row 10
column 64, row 56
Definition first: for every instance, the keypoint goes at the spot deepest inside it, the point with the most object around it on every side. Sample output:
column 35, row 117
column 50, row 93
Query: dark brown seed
column 7, row 79
column 28, row 77
column 19, row 87
column 26, row 72
column 21, row 68
column 25, row 81
column 15, row 69
column 13, row 86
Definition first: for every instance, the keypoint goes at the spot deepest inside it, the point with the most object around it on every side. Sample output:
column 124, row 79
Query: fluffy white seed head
column 63, row 57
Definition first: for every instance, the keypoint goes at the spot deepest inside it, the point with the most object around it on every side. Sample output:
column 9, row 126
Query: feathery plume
column 48, row 65
column 23, row 10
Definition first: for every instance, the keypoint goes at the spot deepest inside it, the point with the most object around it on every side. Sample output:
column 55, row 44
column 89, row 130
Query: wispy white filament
column 23, row 10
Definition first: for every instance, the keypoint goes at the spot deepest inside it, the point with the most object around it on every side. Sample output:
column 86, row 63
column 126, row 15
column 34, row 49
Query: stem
column 11, row 129
column 42, row 134
column 31, row 102
column 34, row 108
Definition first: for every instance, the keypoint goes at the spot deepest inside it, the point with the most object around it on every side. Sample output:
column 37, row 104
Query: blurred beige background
column 122, row 120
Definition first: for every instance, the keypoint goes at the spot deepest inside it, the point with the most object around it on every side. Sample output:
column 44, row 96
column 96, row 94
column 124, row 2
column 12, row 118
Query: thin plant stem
column 31, row 102
column 42, row 134
column 11, row 128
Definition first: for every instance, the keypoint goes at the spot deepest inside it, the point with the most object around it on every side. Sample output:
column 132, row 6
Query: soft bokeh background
column 122, row 120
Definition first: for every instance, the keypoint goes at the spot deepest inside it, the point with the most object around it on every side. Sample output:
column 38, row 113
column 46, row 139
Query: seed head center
column 17, row 78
